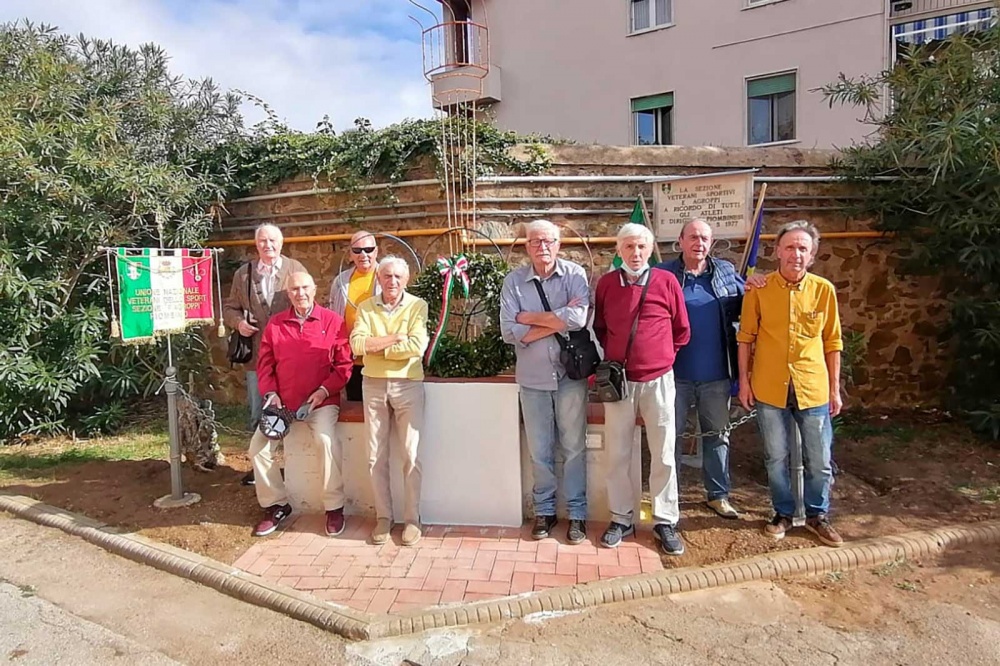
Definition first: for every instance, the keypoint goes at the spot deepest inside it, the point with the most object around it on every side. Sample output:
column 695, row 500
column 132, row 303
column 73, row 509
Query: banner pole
column 798, row 477
column 176, row 482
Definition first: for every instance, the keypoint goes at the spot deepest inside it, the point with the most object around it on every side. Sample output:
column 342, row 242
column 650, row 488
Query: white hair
column 635, row 230
column 266, row 225
column 542, row 225
column 393, row 260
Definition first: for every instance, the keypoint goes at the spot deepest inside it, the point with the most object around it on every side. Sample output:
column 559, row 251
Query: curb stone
column 360, row 626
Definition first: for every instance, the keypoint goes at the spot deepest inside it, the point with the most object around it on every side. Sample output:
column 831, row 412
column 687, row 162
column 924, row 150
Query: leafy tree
column 97, row 148
column 930, row 172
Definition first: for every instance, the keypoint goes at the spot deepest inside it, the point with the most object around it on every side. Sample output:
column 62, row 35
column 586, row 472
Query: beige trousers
column 654, row 401
column 320, row 430
column 394, row 406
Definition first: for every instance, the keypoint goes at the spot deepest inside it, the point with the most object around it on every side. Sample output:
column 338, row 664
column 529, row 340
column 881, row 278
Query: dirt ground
column 944, row 609
column 898, row 472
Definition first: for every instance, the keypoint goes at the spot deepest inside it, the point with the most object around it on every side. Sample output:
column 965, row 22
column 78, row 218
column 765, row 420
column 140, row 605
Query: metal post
column 176, row 483
column 798, row 477
column 177, row 496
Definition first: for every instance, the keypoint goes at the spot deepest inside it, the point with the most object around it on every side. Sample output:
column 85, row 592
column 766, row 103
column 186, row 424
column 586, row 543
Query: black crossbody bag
column 577, row 352
column 610, row 382
column 241, row 346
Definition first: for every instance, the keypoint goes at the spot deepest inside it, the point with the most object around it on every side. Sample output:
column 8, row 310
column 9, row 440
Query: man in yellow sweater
column 390, row 332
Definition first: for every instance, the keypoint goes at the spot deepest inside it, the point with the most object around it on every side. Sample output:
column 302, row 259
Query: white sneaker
column 723, row 508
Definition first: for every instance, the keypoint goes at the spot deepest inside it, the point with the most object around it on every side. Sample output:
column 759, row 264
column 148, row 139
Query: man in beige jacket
column 268, row 278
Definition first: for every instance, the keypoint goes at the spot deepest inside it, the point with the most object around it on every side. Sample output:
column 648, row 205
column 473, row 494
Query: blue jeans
column 254, row 399
column 552, row 417
column 711, row 403
column 776, row 426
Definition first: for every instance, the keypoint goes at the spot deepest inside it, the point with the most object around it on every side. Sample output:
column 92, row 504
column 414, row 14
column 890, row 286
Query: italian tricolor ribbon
column 456, row 268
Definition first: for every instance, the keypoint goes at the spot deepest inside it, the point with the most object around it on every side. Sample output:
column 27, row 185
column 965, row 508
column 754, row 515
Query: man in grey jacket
column 268, row 276
column 249, row 306
column 351, row 288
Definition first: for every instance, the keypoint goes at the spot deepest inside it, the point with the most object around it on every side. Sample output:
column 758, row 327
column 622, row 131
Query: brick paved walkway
column 450, row 564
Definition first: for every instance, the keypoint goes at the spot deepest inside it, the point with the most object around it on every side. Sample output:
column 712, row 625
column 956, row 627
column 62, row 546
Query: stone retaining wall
column 899, row 318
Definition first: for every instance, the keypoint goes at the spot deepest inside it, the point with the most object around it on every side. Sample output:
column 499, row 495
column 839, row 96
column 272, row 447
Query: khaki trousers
column 394, row 406
column 654, row 401
column 319, row 430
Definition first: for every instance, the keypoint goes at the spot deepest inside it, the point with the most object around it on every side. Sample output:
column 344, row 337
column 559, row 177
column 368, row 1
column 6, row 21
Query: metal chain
column 207, row 415
column 722, row 431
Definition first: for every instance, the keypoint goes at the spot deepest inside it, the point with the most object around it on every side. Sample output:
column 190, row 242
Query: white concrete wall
column 475, row 463
column 469, row 451
column 569, row 69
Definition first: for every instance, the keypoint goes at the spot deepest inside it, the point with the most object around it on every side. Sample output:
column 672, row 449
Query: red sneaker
column 273, row 517
column 335, row 522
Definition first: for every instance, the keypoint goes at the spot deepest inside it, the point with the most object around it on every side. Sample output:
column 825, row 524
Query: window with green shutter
column 771, row 109
column 652, row 120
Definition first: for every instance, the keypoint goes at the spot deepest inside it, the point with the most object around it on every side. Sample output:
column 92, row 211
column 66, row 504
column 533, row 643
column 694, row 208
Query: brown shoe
column 778, row 526
column 411, row 534
column 821, row 527
column 381, row 532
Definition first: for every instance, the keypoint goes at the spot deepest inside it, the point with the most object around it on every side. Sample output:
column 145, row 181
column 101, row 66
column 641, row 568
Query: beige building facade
column 692, row 72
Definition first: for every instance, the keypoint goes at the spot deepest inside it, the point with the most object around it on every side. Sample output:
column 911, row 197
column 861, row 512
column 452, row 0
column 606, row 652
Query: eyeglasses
column 366, row 250
column 539, row 242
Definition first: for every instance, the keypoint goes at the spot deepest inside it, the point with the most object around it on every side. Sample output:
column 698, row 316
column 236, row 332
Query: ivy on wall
column 349, row 160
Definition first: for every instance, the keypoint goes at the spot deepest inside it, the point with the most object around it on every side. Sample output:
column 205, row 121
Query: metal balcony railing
column 907, row 9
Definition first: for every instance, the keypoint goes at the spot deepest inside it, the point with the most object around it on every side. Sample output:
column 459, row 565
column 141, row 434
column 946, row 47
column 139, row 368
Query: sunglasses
column 366, row 250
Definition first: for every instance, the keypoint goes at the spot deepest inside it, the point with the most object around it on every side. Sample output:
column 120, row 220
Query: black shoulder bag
column 578, row 353
column 241, row 346
column 610, row 383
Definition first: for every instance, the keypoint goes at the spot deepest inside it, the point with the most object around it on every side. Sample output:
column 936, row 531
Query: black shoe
column 248, row 480
column 613, row 536
column 577, row 532
column 543, row 525
column 670, row 540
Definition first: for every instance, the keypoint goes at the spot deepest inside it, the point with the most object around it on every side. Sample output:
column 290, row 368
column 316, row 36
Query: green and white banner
column 152, row 297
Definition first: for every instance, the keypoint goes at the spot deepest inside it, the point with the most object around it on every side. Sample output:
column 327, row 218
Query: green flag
column 638, row 216
column 135, row 296
column 151, row 297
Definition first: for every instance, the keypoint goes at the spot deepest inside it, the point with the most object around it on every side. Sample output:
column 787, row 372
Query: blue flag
column 750, row 263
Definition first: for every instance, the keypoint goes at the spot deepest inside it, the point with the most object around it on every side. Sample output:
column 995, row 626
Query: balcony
column 465, row 84
column 914, row 9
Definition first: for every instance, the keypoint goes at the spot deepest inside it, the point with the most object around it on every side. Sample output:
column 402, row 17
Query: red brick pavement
column 450, row 564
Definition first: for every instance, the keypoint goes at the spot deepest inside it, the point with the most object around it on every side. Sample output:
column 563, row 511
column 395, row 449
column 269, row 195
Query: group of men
column 369, row 343
column 686, row 332
column 689, row 333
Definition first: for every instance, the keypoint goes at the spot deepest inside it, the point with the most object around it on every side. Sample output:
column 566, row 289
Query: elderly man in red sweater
column 305, row 360
column 652, row 299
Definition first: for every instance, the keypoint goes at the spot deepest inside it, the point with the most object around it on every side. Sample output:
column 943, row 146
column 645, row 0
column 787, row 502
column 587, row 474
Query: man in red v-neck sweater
column 662, row 329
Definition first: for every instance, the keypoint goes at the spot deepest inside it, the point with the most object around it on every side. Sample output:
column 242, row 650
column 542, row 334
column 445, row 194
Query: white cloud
column 306, row 58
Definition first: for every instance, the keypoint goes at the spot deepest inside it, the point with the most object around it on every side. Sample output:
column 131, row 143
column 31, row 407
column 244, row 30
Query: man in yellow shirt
column 350, row 289
column 391, row 334
column 789, row 356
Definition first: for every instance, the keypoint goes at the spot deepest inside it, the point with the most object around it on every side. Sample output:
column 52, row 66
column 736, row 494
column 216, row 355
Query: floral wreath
column 479, row 278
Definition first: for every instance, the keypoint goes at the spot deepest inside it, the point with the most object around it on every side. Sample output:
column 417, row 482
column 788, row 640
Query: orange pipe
column 611, row 240
column 596, row 240
column 404, row 233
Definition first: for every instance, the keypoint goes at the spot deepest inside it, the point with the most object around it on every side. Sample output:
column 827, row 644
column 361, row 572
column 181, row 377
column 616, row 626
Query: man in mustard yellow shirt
column 391, row 334
column 789, row 356
column 350, row 289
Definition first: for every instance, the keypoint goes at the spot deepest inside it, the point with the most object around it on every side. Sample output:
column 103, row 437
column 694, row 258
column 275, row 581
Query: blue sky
column 306, row 58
